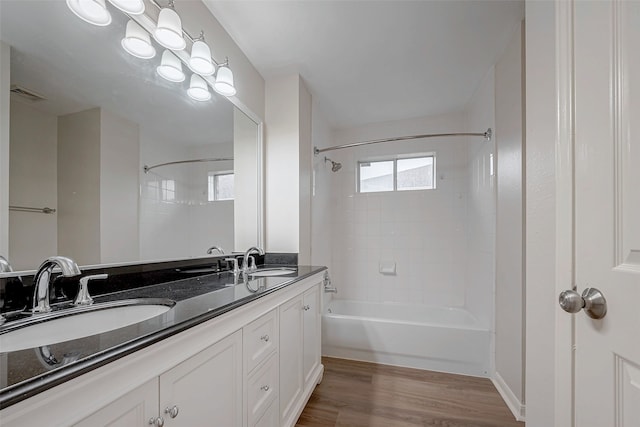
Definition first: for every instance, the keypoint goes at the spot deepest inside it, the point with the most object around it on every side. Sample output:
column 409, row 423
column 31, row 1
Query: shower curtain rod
column 486, row 135
column 146, row 168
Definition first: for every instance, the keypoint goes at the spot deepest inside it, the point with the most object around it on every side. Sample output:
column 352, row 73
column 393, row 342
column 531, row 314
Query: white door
column 607, row 210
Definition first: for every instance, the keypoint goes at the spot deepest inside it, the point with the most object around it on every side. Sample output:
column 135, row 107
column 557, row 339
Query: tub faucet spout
column 42, row 280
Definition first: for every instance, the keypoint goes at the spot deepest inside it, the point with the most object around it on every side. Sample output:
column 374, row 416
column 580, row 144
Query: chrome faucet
column 42, row 280
column 245, row 259
column 215, row 248
column 5, row 267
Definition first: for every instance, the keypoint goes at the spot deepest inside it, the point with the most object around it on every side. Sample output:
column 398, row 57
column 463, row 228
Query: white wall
column 544, row 333
column 119, row 188
column 509, row 136
column 78, row 179
column 321, row 193
column 288, row 167
column 32, row 183
column 97, row 187
column 188, row 224
column 247, row 173
column 5, row 84
column 481, row 206
column 423, row 232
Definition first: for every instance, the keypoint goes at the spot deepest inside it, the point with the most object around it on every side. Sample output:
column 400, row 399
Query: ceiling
column 373, row 61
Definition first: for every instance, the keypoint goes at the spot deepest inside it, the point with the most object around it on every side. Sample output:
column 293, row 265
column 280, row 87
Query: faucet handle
column 235, row 270
column 252, row 264
column 83, row 297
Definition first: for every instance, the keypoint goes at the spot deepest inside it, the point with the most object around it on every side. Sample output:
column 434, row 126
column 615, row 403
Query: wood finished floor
column 366, row 394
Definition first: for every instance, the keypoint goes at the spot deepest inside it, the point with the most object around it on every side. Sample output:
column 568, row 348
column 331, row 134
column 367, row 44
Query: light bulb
column 132, row 7
column 170, row 67
column 198, row 89
column 92, row 11
column 137, row 41
column 224, row 81
column 200, row 60
column 168, row 32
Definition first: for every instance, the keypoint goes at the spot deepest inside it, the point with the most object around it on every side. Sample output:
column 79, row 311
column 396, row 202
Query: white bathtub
column 433, row 338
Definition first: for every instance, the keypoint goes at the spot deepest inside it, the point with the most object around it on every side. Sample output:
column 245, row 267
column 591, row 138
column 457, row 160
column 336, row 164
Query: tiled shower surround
column 442, row 240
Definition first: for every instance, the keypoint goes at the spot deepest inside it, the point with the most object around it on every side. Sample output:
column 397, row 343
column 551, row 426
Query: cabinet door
column 291, row 375
column 133, row 409
column 206, row 389
column 311, row 334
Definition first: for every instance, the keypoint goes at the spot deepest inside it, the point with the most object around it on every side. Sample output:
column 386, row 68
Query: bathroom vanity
column 232, row 351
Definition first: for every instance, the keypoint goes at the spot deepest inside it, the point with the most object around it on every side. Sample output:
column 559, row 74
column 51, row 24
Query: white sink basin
column 79, row 322
column 275, row 271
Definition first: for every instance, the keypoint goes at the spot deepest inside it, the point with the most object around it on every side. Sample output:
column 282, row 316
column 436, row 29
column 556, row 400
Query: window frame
column 215, row 175
column 395, row 159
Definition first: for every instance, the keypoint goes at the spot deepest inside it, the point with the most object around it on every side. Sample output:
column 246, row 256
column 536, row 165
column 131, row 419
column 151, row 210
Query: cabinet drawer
column 260, row 339
column 262, row 389
column 270, row 417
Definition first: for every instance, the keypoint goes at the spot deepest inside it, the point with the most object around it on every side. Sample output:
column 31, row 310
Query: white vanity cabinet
column 300, row 368
column 207, row 386
column 256, row 365
column 311, row 338
column 261, row 345
column 135, row 408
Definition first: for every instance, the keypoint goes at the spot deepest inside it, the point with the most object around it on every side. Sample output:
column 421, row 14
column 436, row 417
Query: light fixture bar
column 486, row 135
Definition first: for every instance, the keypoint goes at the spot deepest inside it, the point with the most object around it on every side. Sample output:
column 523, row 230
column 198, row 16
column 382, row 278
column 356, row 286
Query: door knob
column 592, row 300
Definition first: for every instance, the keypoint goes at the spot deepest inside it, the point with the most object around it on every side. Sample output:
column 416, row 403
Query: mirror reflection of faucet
column 215, row 248
column 49, row 360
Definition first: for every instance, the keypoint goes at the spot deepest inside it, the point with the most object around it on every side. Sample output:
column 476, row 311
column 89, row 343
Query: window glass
column 376, row 176
column 415, row 174
column 223, row 186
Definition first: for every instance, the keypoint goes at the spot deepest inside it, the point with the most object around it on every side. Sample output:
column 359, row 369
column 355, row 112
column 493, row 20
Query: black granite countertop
column 198, row 299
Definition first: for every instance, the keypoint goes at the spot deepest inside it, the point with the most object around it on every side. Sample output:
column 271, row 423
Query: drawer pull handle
column 265, row 338
column 173, row 412
column 264, row 388
column 158, row 422
column 306, row 307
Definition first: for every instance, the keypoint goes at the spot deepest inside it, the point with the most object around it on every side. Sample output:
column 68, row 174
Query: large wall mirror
column 86, row 118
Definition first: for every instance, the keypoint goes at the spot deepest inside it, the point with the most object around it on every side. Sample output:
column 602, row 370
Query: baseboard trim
column 513, row 403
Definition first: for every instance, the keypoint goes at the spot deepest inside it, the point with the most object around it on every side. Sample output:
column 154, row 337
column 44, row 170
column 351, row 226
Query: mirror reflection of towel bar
column 44, row 210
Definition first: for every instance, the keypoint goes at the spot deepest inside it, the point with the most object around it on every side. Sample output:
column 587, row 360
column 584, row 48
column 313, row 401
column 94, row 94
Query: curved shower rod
column 486, row 135
column 146, row 168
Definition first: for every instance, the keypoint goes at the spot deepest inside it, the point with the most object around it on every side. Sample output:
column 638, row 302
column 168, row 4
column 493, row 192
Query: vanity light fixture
column 131, row 7
column 92, row 11
column 224, row 80
column 170, row 67
column 200, row 61
column 198, row 89
column 168, row 32
column 137, row 41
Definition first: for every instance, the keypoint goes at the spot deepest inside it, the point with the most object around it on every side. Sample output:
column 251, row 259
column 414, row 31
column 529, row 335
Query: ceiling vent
column 27, row 94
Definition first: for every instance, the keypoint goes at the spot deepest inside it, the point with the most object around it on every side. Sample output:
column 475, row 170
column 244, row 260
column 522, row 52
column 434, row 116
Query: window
column 400, row 174
column 167, row 189
column 220, row 186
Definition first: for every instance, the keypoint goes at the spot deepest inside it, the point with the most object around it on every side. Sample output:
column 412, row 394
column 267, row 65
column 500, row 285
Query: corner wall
column 509, row 344
column 288, row 165
column 481, row 206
